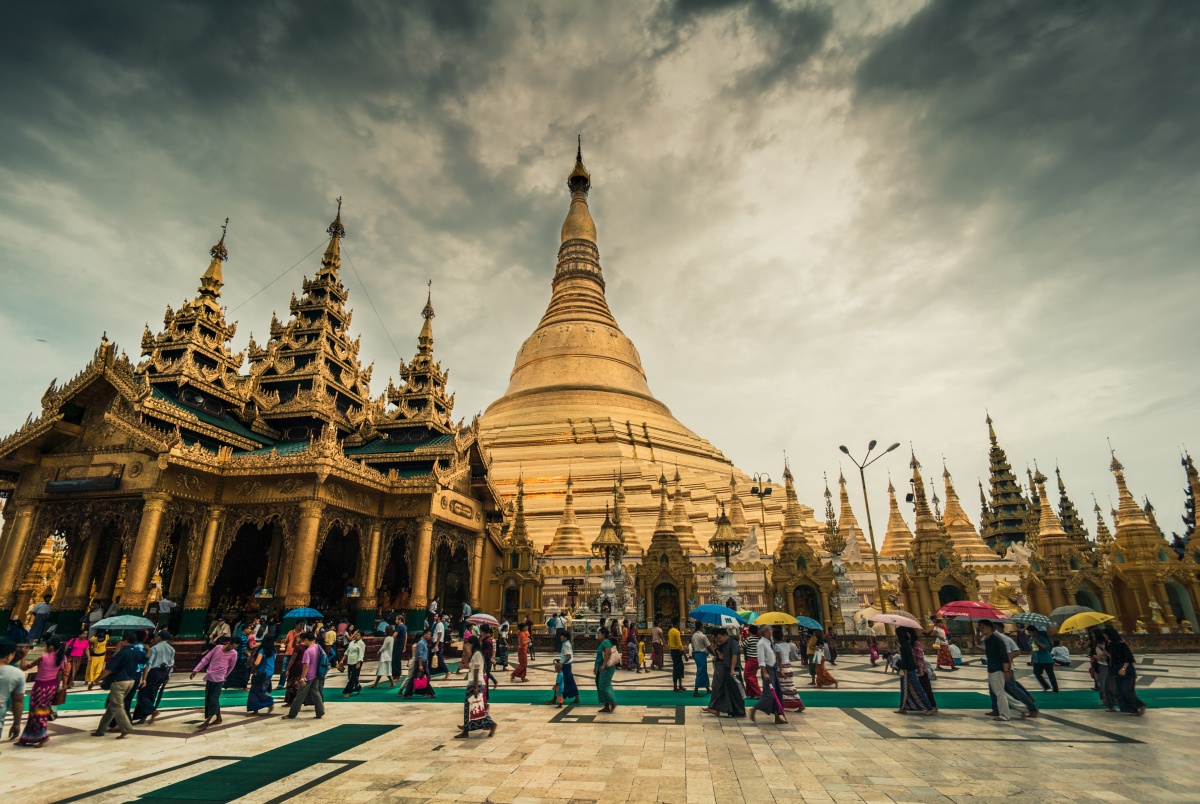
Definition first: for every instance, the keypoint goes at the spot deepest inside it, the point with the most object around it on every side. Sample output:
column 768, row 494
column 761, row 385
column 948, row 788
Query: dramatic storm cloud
column 820, row 224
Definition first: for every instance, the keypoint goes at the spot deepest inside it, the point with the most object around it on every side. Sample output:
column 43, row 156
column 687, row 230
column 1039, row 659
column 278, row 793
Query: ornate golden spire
column 579, row 224
column 607, row 543
column 1129, row 512
column 332, row 260
column 568, row 539
column 724, row 541
column 793, row 518
column 847, row 522
column 211, row 282
column 1104, row 536
column 425, row 338
column 624, row 521
column 664, row 539
column 898, row 537
column 683, row 523
column 1050, row 529
column 520, row 531
column 835, row 540
column 962, row 533
column 737, row 512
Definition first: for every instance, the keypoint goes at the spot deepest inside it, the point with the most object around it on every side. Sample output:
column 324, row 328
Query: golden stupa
column 578, row 405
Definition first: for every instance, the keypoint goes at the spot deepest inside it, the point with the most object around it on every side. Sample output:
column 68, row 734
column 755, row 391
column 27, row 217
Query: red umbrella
column 972, row 610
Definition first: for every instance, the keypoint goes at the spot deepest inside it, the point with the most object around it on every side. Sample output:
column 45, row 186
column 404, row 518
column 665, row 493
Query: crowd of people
column 733, row 666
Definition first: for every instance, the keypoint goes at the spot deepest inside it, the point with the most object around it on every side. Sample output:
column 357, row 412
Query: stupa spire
column 664, row 537
column 212, row 281
column 520, row 531
column 682, row 522
column 332, row 260
column 966, row 540
column 425, row 338
column 624, row 521
column 898, row 537
column 1067, row 514
column 847, row 522
column 1006, row 518
column 835, row 540
column 1128, row 511
column 1050, row 528
column 568, row 539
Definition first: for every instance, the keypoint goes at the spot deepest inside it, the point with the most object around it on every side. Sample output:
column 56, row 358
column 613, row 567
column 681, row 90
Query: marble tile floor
column 648, row 753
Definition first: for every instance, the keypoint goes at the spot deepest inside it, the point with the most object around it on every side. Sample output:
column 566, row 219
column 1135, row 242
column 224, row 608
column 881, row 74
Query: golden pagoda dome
column 724, row 541
column 608, row 544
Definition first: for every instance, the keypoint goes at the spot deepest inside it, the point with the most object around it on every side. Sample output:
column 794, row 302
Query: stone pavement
column 404, row 752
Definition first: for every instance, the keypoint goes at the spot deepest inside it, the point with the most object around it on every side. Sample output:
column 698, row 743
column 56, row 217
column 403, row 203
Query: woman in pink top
column 218, row 664
column 45, row 687
column 77, row 648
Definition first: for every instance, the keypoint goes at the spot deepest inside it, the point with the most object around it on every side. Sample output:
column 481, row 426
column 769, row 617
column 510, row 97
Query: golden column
column 145, row 547
column 477, row 571
column 18, row 524
column 304, row 555
column 419, row 598
column 368, row 600
column 195, row 605
column 76, row 598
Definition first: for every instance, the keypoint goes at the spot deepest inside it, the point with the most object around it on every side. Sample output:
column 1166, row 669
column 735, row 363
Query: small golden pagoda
column 568, row 539
column 857, row 548
column 966, row 540
column 799, row 577
column 898, row 537
column 684, row 532
column 933, row 573
column 517, row 575
column 665, row 578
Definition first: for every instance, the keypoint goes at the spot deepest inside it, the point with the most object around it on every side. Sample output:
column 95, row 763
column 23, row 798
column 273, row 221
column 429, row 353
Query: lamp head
column 893, row 446
column 871, row 446
column 843, row 449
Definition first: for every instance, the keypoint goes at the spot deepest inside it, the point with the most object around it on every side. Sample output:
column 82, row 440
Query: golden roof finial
column 331, row 261
column 579, row 224
column 336, row 229
column 425, row 338
column 428, row 313
column 211, row 281
column 991, row 429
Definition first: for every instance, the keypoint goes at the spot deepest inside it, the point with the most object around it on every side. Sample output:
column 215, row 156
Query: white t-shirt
column 1010, row 644
column 1061, row 653
column 165, row 606
column 566, row 653
column 41, row 608
column 11, row 680
column 439, row 632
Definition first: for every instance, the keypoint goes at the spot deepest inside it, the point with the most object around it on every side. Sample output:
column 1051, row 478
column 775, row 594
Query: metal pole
column 862, row 476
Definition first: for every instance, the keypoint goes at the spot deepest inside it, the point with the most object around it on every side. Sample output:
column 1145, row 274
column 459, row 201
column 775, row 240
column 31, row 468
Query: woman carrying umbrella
column 912, row 696
column 1043, row 659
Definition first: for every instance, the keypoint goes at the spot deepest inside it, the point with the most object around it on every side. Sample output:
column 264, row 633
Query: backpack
column 322, row 662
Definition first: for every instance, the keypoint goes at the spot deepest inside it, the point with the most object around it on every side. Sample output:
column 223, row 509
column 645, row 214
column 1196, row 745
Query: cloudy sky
column 820, row 224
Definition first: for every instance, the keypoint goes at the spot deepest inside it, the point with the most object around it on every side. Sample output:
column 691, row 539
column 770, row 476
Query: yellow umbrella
column 1082, row 620
column 775, row 618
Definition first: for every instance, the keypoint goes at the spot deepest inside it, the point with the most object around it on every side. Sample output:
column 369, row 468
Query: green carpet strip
column 1182, row 698
column 247, row 775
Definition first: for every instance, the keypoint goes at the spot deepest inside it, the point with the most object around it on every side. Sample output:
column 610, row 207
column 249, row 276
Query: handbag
column 420, row 684
column 476, row 707
column 60, row 694
column 614, row 659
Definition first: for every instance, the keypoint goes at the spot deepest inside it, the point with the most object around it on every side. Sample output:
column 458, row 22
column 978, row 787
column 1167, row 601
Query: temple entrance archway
column 666, row 601
column 453, row 579
column 243, row 569
column 173, row 569
column 1084, row 596
column 395, row 580
column 1180, row 603
column 512, row 602
column 950, row 594
column 807, row 602
column 335, row 572
column 1127, row 611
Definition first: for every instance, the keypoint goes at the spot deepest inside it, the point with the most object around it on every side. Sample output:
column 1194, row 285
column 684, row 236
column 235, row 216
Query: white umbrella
column 483, row 619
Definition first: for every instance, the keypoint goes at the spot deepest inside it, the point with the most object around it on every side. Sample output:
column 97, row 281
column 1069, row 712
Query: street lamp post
column 762, row 489
column 862, row 476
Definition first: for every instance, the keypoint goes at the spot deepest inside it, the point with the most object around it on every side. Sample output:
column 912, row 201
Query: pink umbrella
column 972, row 610
column 896, row 619
column 483, row 619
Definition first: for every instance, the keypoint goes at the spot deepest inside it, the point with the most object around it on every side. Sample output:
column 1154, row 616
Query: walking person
column 1121, row 667
column 438, row 663
column 289, row 648
column 97, row 651
column 700, row 649
column 311, row 659
column 119, row 677
column 1043, row 659
column 1019, row 696
column 12, row 685
column 384, row 667
column 768, row 662
column 399, row 648
column 52, row 668
column 831, row 647
column 727, row 698
column 656, row 647
column 819, row 664
column 217, row 664
column 1098, row 659
column 77, row 650
column 566, row 657
column 41, row 618
column 488, row 647
column 941, row 642
column 262, row 671
column 999, row 668
column 475, row 703
column 608, row 656
column 912, row 694
column 631, row 647
column 788, row 656
column 239, row 676
column 418, row 679
column 925, row 674
column 675, row 646
column 160, row 661
column 520, row 672
column 750, row 662
column 356, row 652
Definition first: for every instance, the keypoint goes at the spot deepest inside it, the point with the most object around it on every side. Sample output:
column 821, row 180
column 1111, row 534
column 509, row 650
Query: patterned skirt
column 944, row 657
column 912, row 696
column 483, row 721
column 750, row 677
column 787, row 689
column 40, row 700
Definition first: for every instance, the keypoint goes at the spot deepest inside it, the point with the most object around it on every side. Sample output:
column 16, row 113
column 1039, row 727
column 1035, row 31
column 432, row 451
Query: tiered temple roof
column 1006, row 517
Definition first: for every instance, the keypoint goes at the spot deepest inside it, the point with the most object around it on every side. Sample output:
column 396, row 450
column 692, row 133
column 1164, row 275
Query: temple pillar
column 368, row 602
column 140, row 568
column 1109, row 602
column 1165, row 602
column 303, row 559
column 112, row 568
column 419, row 598
column 477, row 571
column 18, row 525
column 274, row 556
column 75, row 597
column 195, row 605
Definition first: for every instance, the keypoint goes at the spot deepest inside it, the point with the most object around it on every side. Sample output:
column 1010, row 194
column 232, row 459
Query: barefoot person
column 217, row 664
column 768, row 662
column 475, row 705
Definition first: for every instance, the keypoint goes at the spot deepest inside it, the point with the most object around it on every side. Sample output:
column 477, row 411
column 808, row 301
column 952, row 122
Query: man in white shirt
column 12, row 686
column 768, row 665
column 439, row 647
column 1019, row 696
column 96, row 614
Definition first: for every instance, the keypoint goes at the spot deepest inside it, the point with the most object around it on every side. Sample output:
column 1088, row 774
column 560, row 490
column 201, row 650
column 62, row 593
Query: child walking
column 557, row 696
column 641, row 668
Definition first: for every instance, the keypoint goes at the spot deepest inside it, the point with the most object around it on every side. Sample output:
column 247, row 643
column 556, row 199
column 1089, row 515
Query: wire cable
column 276, row 279
column 367, row 293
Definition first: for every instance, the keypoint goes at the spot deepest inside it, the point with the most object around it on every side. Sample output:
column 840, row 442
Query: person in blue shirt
column 120, row 676
column 1043, row 659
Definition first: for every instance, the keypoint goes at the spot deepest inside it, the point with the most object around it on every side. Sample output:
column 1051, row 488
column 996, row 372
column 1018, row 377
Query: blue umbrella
column 304, row 613
column 122, row 621
column 716, row 615
column 809, row 623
